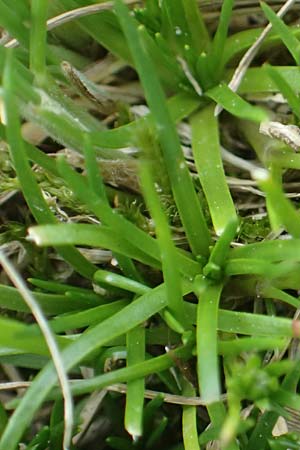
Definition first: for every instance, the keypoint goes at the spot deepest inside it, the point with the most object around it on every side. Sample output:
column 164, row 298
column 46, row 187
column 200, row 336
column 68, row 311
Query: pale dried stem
column 122, row 389
column 74, row 14
column 251, row 53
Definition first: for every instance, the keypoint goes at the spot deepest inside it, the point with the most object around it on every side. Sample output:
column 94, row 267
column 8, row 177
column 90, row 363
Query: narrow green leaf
column 163, row 233
column 189, row 420
column 289, row 40
column 84, row 318
column 119, row 281
column 17, row 336
column 206, row 335
column 51, row 303
column 103, row 28
column 12, row 22
column 199, row 33
column 206, row 151
column 30, row 188
column 179, row 106
column 38, row 38
column 130, row 316
column 216, row 60
column 234, row 347
column 135, row 389
column 248, row 323
column 234, row 104
column 96, row 236
column 278, row 294
column 174, row 25
column 257, row 80
column 285, row 88
column 181, row 182
column 281, row 206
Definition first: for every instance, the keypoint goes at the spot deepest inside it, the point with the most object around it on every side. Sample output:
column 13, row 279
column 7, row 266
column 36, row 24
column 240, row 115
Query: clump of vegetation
column 149, row 187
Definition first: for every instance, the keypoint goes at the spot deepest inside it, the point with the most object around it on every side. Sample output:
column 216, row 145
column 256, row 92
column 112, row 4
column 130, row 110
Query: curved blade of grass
column 135, row 389
column 242, row 40
column 16, row 335
column 234, row 104
column 248, row 323
column 234, row 347
column 256, row 80
column 84, row 318
column 101, row 236
column 281, row 206
column 179, row 106
column 51, row 344
column 30, row 188
column 167, row 248
column 50, row 303
column 286, row 159
column 62, row 288
column 85, row 234
column 289, row 40
column 150, row 366
column 11, row 21
column 285, row 88
column 206, row 335
column 206, row 151
column 274, row 251
column 181, row 182
column 259, row 267
column 278, row 294
column 128, row 318
column 121, row 282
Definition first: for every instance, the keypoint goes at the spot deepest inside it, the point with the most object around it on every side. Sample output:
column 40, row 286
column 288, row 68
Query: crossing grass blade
column 289, row 40
column 285, row 88
column 190, row 212
column 30, row 188
column 125, row 320
column 234, row 104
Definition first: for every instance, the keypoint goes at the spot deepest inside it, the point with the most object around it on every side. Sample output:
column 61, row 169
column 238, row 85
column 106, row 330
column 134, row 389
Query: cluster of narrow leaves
column 211, row 324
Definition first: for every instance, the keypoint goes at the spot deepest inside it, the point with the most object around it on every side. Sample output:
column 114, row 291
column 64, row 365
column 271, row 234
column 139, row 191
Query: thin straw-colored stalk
column 251, row 53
